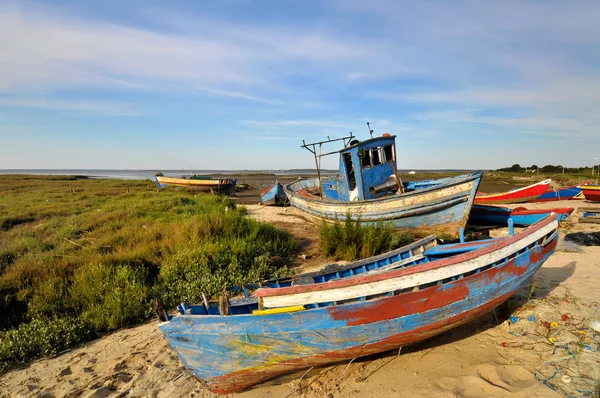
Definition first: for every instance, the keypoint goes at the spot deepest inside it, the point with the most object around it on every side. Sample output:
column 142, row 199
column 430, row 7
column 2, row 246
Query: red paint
column 522, row 211
column 352, row 281
column 397, row 306
column 243, row 379
column 521, row 195
column 431, row 298
column 591, row 192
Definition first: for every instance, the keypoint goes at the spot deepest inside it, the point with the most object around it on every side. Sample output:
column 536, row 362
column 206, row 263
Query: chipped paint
column 440, row 208
column 231, row 353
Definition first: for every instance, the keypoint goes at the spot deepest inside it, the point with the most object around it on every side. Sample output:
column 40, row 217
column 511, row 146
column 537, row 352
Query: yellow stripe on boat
column 270, row 311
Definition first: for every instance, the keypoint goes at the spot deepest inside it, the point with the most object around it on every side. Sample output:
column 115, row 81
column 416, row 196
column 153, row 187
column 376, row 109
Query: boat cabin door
column 350, row 176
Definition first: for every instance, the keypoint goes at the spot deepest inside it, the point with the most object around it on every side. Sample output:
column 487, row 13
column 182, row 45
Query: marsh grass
column 349, row 240
column 86, row 256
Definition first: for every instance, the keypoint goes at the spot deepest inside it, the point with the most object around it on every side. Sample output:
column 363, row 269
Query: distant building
column 412, row 172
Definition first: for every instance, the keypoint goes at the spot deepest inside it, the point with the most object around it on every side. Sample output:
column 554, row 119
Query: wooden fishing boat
column 520, row 195
column 199, row 183
column 274, row 195
column 551, row 195
column 307, row 325
column 522, row 217
column 591, row 192
column 368, row 189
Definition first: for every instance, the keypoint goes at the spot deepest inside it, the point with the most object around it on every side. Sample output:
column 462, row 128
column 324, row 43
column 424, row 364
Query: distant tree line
column 516, row 168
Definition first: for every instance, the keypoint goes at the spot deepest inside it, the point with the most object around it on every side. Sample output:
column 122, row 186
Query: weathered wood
column 351, row 288
column 231, row 353
column 589, row 220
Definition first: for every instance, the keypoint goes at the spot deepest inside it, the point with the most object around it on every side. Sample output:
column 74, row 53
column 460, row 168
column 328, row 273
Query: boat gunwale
column 360, row 279
column 498, row 194
column 462, row 179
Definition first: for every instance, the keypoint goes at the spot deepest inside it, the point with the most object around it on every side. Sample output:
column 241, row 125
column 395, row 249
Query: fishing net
column 562, row 338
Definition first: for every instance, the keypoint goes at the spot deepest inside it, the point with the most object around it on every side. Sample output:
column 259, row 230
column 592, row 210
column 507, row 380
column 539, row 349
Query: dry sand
column 481, row 359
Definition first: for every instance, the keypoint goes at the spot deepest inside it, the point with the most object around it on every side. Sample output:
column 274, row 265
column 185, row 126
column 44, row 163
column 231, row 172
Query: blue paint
column 425, row 213
column 559, row 194
column 367, row 181
column 219, row 345
column 275, row 195
column 497, row 215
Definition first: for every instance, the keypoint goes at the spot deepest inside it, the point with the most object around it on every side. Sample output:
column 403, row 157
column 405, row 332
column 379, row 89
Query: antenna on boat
column 312, row 148
column 370, row 130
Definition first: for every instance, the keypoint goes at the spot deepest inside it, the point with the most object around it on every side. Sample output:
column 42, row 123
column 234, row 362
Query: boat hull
column 499, row 215
column 591, row 192
column 220, row 186
column 441, row 209
column 521, row 195
column 552, row 195
column 229, row 354
column 274, row 196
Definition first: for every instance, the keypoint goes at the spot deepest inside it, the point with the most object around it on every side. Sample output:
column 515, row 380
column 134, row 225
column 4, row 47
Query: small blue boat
column 552, row 195
column 521, row 217
column 274, row 195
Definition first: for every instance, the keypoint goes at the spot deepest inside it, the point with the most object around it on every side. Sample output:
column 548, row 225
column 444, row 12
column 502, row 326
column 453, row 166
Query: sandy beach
column 480, row 359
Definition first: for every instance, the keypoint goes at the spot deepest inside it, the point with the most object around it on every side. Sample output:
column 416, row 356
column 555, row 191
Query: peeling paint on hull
column 438, row 209
column 232, row 353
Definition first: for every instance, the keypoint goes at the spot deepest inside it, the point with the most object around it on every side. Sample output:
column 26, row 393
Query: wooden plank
column 271, row 311
column 590, row 220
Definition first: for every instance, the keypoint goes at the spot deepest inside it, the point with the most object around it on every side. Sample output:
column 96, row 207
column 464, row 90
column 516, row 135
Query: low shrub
column 349, row 240
column 110, row 297
column 40, row 338
column 84, row 256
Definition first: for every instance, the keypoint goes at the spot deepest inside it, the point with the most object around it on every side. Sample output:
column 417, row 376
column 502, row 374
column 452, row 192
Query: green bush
column 89, row 255
column 111, row 297
column 349, row 240
column 40, row 338
column 212, row 267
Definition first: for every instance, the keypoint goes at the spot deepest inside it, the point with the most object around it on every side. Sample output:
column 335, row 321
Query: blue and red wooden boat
column 551, row 195
column 306, row 325
column 369, row 190
column 274, row 195
column 520, row 195
column 522, row 217
column 591, row 192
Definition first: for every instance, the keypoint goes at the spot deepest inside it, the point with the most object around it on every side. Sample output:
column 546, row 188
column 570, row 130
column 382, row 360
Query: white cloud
column 111, row 108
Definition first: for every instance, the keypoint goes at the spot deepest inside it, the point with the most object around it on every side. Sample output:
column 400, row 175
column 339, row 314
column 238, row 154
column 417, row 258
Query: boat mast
column 312, row 148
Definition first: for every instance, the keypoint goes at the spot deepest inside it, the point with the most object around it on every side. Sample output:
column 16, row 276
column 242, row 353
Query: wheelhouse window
column 365, row 157
column 389, row 153
column 376, row 156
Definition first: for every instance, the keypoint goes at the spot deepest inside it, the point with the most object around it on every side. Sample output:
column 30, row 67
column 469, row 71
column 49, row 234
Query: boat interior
column 422, row 251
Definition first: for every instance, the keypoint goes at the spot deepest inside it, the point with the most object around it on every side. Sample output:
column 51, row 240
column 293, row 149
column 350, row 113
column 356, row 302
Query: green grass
column 349, row 240
column 87, row 256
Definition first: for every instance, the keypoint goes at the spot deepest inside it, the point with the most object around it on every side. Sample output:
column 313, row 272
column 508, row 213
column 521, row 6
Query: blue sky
column 239, row 84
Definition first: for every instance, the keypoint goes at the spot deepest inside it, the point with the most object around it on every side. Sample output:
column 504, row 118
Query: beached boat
column 368, row 189
column 199, row 183
column 522, row 217
column 274, row 195
column 551, row 195
column 520, row 195
column 307, row 325
column 591, row 192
